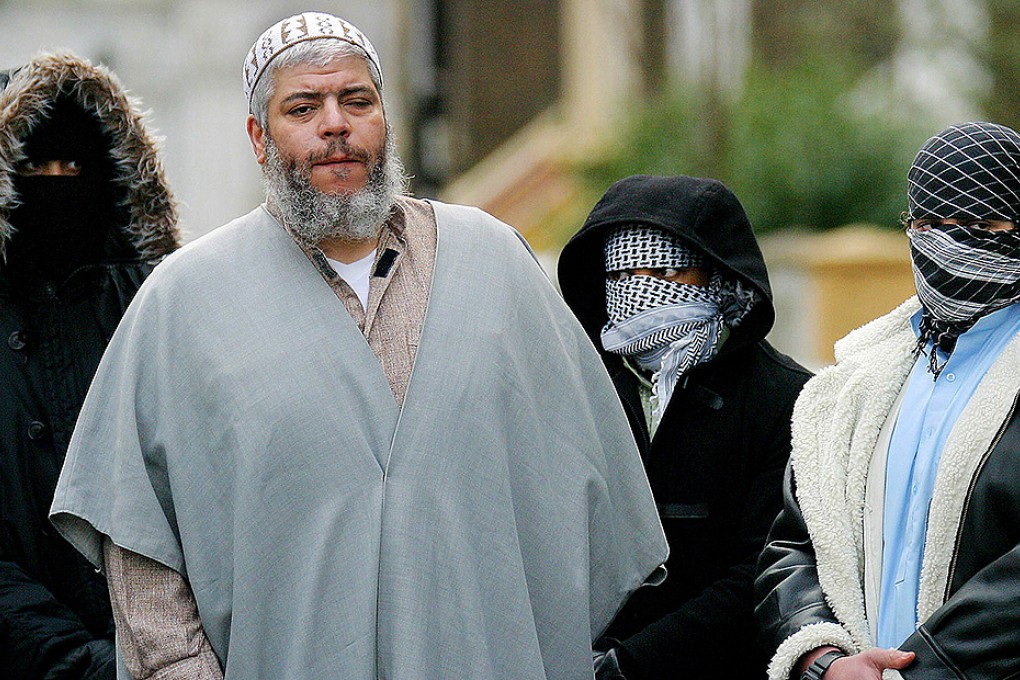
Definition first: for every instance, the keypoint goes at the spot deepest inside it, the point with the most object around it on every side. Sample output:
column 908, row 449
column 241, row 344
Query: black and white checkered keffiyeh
column 639, row 246
column 667, row 327
column 966, row 172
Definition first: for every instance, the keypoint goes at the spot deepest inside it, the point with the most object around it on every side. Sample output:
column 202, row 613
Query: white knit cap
column 298, row 28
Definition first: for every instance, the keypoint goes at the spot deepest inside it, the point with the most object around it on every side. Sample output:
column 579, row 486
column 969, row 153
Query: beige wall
column 827, row 284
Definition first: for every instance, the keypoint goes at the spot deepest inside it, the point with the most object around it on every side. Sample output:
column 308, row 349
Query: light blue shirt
column 927, row 415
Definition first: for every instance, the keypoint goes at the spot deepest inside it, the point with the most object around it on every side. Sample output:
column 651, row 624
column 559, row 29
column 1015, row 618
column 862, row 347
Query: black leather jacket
column 975, row 634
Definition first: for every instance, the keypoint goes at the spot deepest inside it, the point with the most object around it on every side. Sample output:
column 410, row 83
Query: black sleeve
column 41, row 638
column 976, row 633
column 686, row 641
column 787, row 590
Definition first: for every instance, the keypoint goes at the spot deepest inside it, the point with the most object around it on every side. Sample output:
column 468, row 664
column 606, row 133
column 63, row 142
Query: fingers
column 888, row 658
column 868, row 665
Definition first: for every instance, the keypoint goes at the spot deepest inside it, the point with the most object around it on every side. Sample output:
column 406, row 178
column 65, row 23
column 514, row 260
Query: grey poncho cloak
column 241, row 431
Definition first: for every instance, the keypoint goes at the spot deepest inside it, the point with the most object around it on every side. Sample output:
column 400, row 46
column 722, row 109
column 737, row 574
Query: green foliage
column 1003, row 57
column 794, row 148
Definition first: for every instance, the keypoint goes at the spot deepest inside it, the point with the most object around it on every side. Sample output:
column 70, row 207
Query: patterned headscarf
column 966, row 172
column 639, row 246
column 667, row 327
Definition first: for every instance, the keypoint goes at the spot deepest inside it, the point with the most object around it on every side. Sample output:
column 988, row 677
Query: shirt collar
column 986, row 324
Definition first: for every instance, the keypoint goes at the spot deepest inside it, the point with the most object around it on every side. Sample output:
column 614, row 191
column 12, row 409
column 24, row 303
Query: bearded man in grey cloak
column 353, row 434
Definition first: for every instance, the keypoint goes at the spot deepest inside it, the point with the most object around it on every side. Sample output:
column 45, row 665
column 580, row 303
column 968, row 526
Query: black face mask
column 62, row 222
column 61, row 225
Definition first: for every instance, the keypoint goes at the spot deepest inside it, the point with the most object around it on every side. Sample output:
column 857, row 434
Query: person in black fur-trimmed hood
column 669, row 282
column 85, row 212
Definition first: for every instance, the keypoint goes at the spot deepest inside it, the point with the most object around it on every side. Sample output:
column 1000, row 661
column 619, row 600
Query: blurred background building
column 810, row 110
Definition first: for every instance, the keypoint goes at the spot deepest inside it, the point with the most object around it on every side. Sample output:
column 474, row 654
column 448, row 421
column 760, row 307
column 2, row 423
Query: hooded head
column 700, row 217
column 963, row 195
column 67, row 201
column 80, row 180
column 969, row 171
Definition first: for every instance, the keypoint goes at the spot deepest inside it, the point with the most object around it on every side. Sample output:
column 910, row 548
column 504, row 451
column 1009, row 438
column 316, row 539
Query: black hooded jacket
column 56, row 317
column 717, row 459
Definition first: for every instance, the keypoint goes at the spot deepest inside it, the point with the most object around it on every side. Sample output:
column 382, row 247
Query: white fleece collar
column 836, row 424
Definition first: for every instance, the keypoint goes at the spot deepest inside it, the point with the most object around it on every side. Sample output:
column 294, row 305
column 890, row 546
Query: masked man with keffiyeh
column 898, row 548
column 668, row 280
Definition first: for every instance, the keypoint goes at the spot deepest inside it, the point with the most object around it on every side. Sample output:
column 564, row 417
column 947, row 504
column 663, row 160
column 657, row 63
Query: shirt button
column 950, row 377
column 16, row 341
column 36, row 430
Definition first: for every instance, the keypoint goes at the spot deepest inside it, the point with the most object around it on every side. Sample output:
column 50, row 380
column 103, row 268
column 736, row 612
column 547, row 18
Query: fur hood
column 151, row 227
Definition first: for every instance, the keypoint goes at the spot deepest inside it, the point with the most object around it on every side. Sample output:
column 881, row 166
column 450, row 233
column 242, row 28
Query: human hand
column 869, row 664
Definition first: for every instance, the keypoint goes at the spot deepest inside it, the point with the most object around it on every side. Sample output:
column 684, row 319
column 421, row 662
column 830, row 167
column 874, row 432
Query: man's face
column 327, row 122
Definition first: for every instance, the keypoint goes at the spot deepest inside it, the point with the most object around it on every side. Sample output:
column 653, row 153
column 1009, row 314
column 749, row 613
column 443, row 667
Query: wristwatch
column 817, row 669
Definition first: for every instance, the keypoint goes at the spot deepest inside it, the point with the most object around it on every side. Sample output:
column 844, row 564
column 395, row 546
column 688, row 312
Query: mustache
column 335, row 146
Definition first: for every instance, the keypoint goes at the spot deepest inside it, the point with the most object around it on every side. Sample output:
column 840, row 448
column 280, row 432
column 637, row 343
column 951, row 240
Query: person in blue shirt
column 898, row 548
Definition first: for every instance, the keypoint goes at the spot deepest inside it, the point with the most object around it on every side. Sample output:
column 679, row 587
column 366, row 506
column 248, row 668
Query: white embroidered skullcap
column 293, row 30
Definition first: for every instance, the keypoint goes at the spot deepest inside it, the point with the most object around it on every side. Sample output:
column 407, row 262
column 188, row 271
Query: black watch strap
column 817, row 669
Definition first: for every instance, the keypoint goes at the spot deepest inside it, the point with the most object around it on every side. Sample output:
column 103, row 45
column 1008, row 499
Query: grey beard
column 315, row 216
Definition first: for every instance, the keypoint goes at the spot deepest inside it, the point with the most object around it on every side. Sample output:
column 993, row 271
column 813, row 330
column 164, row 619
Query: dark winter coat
column 55, row 619
column 716, row 461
